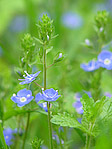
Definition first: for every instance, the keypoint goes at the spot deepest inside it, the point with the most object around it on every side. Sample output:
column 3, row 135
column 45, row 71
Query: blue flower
column 29, row 78
column 72, row 20
column 91, row 66
column 38, row 97
column 78, row 106
column 19, row 24
column 105, row 59
column 108, row 94
column 22, row 98
column 8, row 135
column 79, row 120
column 88, row 93
column 49, row 95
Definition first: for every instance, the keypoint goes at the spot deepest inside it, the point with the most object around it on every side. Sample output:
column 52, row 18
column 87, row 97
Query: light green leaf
column 67, row 120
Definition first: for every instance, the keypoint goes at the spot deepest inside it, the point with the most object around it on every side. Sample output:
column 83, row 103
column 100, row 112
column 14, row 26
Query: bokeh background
column 74, row 22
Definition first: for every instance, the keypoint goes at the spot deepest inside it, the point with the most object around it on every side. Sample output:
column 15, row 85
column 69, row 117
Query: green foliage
column 28, row 43
column 87, row 104
column 2, row 140
column 58, row 57
column 45, row 27
column 28, row 57
column 67, row 120
column 101, row 21
column 101, row 18
column 36, row 143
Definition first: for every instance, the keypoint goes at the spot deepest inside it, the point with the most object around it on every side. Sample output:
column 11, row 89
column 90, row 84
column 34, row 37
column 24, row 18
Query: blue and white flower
column 29, row 78
column 38, row 97
column 22, row 98
column 9, row 135
column 49, row 95
column 105, row 59
column 91, row 66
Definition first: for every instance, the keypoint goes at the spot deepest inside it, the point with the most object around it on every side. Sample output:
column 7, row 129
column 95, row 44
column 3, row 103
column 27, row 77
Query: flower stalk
column 26, row 131
column 48, row 103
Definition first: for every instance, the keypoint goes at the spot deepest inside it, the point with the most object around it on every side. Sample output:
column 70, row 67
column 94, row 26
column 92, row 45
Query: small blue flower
column 91, row 66
column 108, row 94
column 79, row 120
column 105, row 59
column 29, row 78
column 78, row 106
column 38, row 97
column 49, row 95
column 72, row 20
column 22, row 98
column 9, row 135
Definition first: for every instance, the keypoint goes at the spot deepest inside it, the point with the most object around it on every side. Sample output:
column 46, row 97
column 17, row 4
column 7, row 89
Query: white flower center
column 44, row 105
column 107, row 61
column 23, row 99
column 7, row 137
column 28, row 95
column 14, row 94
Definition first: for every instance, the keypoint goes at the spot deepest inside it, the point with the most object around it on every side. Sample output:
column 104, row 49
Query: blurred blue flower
column 108, row 94
column 56, row 138
column 91, row 66
column 9, row 135
column 72, row 20
column 77, row 96
column 19, row 23
column 29, row 78
column 79, row 120
column 105, row 59
column 38, row 97
column 78, row 106
column 22, row 98
column 88, row 93
column 49, row 95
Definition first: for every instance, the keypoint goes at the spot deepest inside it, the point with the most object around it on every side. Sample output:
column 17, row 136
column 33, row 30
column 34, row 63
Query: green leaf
column 12, row 113
column 2, row 140
column 58, row 57
column 48, row 50
column 66, row 120
column 38, row 40
column 88, row 106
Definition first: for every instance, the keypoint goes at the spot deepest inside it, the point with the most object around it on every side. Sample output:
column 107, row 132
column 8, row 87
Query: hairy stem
column 48, row 104
column 38, row 84
column 26, row 131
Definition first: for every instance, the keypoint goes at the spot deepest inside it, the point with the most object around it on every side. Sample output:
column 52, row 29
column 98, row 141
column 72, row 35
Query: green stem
column 88, row 137
column 26, row 131
column 48, row 104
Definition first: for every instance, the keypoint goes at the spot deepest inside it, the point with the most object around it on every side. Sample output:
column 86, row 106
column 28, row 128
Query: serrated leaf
column 67, row 120
column 88, row 106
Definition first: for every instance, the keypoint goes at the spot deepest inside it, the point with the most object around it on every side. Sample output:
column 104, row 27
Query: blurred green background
column 18, row 17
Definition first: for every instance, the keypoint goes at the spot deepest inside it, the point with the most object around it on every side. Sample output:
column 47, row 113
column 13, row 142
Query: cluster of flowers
column 24, row 96
column 104, row 61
